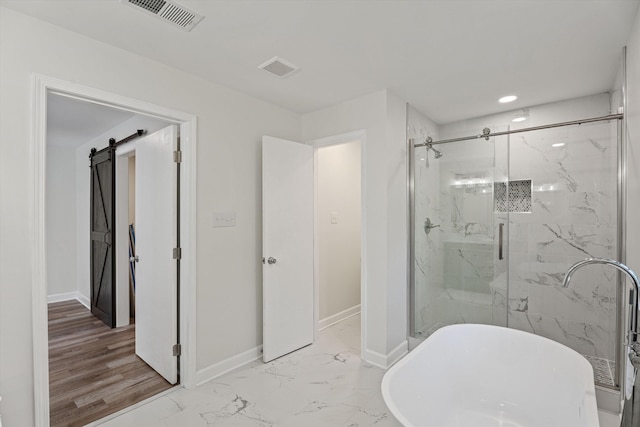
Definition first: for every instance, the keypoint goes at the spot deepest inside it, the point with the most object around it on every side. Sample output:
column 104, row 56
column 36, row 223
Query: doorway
column 338, row 231
column 45, row 87
column 100, row 368
column 299, row 266
column 339, row 218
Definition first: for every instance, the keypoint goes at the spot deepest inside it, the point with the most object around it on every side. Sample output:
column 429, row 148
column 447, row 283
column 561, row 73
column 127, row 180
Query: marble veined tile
column 324, row 384
column 591, row 339
column 152, row 413
column 372, row 415
column 548, row 327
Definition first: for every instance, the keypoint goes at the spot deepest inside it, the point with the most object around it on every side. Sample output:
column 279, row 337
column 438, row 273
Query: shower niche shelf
column 519, row 196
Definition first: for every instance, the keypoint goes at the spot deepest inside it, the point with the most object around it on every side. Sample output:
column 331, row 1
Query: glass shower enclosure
column 496, row 221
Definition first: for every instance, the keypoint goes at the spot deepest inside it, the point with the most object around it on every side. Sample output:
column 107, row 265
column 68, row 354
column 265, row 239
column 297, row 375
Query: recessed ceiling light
column 521, row 115
column 558, row 144
column 508, row 98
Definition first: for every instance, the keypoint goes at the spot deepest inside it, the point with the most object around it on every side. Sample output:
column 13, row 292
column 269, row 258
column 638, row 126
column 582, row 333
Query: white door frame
column 41, row 86
column 122, row 155
column 359, row 135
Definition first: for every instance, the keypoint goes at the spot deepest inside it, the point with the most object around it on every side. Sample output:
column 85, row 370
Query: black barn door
column 103, row 202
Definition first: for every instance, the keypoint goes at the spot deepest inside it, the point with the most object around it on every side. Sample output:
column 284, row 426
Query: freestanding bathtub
column 488, row 376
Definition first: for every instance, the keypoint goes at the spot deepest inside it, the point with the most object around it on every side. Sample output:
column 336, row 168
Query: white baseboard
column 386, row 361
column 227, row 365
column 338, row 317
column 374, row 358
column 83, row 300
column 68, row 296
column 397, row 353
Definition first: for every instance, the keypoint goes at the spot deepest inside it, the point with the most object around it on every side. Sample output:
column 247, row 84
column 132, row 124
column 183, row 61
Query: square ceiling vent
column 279, row 67
column 168, row 11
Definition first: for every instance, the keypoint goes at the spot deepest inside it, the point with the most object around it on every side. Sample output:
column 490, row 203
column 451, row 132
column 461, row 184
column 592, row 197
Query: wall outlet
column 224, row 219
column 334, row 217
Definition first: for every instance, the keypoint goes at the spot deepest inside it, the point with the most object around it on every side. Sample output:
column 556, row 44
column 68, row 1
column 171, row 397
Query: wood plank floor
column 93, row 369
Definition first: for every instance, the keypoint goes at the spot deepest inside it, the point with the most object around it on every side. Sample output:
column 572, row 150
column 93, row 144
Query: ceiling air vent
column 278, row 67
column 168, row 11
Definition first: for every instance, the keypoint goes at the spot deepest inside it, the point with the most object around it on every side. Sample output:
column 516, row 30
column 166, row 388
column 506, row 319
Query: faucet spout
column 632, row 335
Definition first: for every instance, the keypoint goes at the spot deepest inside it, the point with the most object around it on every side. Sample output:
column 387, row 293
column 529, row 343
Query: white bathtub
column 488, row 376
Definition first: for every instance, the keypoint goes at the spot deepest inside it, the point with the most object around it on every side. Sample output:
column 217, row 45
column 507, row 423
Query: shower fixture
column 428, row 225
column 429, row 145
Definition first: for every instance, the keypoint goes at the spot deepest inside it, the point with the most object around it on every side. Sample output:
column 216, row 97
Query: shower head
column 437, row 153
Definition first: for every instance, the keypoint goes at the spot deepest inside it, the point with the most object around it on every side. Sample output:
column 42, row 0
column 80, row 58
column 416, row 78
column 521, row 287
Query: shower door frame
column 411, row 218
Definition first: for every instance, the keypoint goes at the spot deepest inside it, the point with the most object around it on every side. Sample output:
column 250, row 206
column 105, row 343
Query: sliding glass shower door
column 460, row 233
column 495, row 225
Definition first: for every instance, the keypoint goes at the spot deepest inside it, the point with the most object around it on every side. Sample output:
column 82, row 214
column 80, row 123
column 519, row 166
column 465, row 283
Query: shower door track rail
column 486, row 134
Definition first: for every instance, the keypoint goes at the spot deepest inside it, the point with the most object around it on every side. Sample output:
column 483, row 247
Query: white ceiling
column 71, row 123
column 451, row 59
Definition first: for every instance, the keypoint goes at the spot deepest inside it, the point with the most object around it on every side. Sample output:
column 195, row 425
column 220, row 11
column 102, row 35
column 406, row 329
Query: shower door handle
column 428, row 225
column 500, row 240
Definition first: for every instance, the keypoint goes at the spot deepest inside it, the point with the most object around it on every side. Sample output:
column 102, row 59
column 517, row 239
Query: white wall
column 385, row 225
column 230, row 127
column 60, row 220
column 633, row 141
column 338, row 194
column 397, row 226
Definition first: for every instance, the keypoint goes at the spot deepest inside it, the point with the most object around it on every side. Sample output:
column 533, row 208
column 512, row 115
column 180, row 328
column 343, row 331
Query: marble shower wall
column 458, row 277
column 573, row 217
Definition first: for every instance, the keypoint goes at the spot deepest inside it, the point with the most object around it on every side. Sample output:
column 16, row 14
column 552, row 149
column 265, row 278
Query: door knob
column 272, row 260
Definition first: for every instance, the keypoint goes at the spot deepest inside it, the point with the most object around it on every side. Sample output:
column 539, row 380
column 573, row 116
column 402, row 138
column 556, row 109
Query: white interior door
column 156, row 236
column 287, row 246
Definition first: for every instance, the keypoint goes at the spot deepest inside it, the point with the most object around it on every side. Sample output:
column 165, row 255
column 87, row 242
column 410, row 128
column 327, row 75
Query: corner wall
column 382, row 116
column 60, row 220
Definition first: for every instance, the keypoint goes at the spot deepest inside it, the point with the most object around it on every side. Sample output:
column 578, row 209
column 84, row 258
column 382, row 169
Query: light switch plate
column 224, row 219
column 334, row 217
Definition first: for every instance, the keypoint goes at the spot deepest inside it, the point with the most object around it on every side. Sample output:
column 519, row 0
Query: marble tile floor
column 324, row 384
